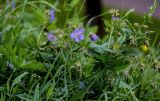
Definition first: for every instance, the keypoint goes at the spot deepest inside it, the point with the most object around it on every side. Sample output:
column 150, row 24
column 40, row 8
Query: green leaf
column 7, row 28
column 126, row 31
column 18, row 79
column 126, row 14
column 74, row 3
column 78, row 96
column 148, row 16
column 121, row 67
column 124, row 85
column 36, row 93
column 2, row 89
column 50, row 91
column 33, row 65
column 25, row 97
column 101, row 49
column 133, row 52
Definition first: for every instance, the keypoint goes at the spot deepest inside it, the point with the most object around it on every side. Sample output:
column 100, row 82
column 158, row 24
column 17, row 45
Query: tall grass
column 34, row 67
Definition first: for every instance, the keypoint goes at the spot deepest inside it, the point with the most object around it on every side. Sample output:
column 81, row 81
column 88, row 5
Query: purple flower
column 115, row 18
column 94, row 37
column 51, row 37
column 13, row 4
column 51, row 13
column 77, row 34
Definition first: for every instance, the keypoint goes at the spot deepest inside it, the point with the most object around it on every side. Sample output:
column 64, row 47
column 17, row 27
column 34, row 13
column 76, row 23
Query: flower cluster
column 51, row 37
column 77, row 34
column 114, row 13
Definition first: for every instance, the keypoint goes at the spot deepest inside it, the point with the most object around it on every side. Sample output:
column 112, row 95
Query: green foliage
column 122, row 66
column 18, row 79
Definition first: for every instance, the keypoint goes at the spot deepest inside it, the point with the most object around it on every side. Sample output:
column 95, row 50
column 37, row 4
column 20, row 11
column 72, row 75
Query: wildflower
column 51, row 37
column 94, row 37
column 115, row 17
column 114, row 13
column 13, row 4
column 51, row 13
column 77, row 34
column 144, row 48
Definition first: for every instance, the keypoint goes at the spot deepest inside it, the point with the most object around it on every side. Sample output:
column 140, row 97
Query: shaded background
column 140, row 6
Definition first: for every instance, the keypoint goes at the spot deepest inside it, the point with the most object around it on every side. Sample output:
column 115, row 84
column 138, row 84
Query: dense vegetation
column 47, row 53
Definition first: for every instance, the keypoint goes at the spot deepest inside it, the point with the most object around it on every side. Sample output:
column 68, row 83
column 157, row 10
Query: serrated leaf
column 34, row 65
column 125, row 85
column 78, row 96
column 18, row 79
column 126, row 30
column 25, row 97
column 36, row 93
